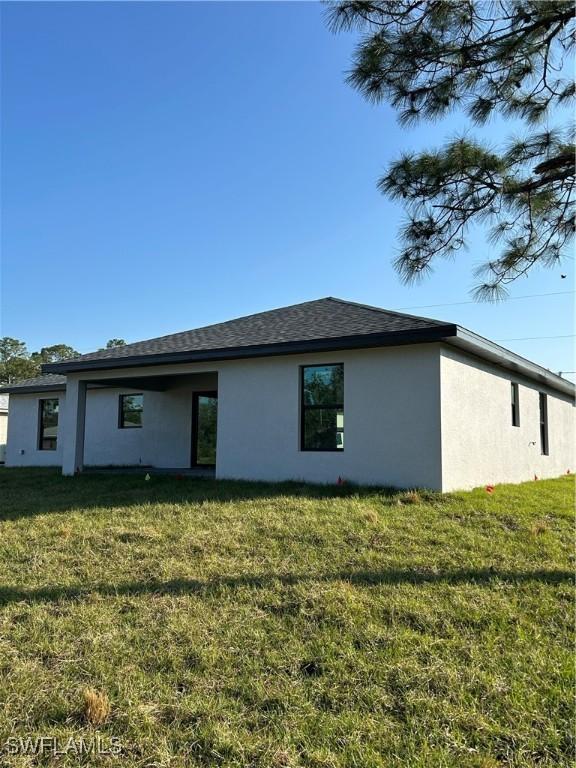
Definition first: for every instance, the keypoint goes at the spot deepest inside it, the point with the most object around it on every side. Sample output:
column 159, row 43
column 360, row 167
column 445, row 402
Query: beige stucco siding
column 420, row 415
column 164, row 439
column 391, row 419
column 22, row 447
column 479, row 444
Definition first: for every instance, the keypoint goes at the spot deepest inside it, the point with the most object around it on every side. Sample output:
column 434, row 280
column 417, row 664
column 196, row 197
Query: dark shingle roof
column 49, row 381
column 324, row 319
column 314, row 326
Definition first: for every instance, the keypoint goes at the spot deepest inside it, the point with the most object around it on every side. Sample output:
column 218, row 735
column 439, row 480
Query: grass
column 205, row 623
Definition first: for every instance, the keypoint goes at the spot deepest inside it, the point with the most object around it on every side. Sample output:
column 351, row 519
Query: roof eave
column 488, row 350
column 362, row 341
column 22, row 390
column 453, row 335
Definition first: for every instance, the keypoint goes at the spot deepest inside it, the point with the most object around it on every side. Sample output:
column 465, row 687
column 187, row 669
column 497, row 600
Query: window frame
column 326, row 407
column 41, row 426
column 543, row 416
column 121, row 423
column 515, row 403
column 195, row 426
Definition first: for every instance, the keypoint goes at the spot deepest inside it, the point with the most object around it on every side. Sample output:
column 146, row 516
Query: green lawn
column 237, row 624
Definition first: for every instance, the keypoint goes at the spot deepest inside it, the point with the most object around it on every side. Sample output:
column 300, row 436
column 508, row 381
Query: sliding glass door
column 204, row 420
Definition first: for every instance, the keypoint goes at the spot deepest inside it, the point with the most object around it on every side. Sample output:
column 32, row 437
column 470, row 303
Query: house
column 3, row 426
column 314, row 392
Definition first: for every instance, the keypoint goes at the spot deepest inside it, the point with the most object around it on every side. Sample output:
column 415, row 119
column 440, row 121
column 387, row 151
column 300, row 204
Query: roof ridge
column 211, row 325
column 305, row 321
column 175, row 334
column 386, row 311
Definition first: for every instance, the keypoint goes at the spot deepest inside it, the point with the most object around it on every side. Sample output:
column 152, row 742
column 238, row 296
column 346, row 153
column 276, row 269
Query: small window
column 322, row 403
column 515, row 405
column 543, row 423
column 48, row 436
column 130, row 415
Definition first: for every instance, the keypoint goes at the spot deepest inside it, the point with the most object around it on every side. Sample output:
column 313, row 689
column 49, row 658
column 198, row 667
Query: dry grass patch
column 409, row 497
column 540, row 527
column 96, row 707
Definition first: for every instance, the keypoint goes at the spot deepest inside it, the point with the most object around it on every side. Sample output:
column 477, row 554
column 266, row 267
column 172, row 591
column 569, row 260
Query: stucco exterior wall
column 391, row 419
column 164, row 440
column 391, row 412
column 22, row 447
column 422, row 415
column 479, row 444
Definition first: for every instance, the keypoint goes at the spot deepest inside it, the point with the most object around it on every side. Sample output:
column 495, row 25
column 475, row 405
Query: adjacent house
column 314, row 392
column 3, row 426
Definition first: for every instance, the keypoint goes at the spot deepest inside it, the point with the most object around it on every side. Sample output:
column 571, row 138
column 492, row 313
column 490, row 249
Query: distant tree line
column 17, row 364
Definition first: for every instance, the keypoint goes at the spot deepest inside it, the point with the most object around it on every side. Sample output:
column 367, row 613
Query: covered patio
column 130, row 421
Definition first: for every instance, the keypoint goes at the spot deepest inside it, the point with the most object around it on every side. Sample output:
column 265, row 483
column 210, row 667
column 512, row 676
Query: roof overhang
column 362, row 341
column 15, row 389
column 488, row 350
column 453, row 335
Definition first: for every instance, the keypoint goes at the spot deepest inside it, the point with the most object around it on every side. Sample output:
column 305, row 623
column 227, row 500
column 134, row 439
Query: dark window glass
column 131, row 407
column 322, row 427
column 207, row 417
column 515, row 405
column 544, row 424
column 48, row 437
column 323, row 385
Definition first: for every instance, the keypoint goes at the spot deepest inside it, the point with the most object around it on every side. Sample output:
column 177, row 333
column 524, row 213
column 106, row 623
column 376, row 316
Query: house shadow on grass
column 25, row 492
column 221, row 585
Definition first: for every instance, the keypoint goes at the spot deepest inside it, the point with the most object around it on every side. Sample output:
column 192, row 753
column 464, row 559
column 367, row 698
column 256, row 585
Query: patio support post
column 72, row 429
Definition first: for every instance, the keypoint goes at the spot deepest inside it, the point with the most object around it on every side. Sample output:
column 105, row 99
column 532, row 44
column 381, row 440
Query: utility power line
column 508, row 298
column 534, row 338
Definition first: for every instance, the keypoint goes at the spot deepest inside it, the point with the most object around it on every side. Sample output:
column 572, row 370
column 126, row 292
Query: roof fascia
column 419, row 336
column 488, row 350
column 25, row 390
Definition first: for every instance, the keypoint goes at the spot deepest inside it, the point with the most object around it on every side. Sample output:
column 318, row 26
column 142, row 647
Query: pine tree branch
column 427, row 58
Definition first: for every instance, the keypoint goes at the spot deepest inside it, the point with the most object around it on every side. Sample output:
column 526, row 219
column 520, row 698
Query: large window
column 515, row 398
column 130, row 411
column 48, row 434
column 543, row 423
column 322, row 398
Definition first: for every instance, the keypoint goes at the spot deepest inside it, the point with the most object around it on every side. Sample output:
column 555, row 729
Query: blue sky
column 170, row 165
